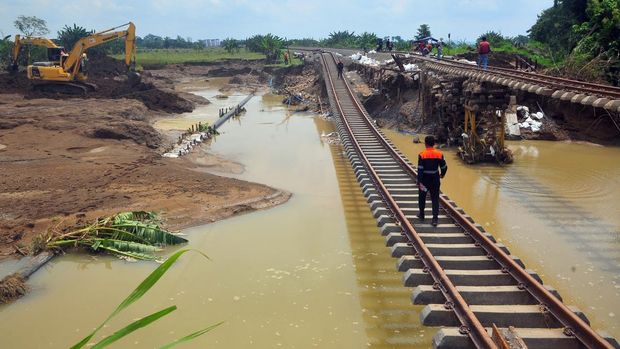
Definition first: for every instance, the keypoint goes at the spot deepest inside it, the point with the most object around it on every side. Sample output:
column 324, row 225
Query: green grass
column 533, row 50
column 456, row 50
column 280, row 64
column 177, row 56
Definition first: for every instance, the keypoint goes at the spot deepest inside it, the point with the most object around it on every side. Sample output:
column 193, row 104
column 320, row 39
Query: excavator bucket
column 12, row 68
column 133, row 78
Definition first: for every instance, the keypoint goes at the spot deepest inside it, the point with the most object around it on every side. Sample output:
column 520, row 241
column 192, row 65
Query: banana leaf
column 136, row 325
column 134, row 216
column 190, row 336
column 150, row 232
column 143, row 288
column 135, row 234
column 124, row 248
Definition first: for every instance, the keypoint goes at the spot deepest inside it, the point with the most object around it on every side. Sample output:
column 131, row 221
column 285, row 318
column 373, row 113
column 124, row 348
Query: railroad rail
column 574, row 91
column 586, row 93
column 467, row 280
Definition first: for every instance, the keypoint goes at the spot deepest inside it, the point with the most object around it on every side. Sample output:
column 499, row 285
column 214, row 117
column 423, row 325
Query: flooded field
column 314, row 272
column 556, row 208
column 311, row 273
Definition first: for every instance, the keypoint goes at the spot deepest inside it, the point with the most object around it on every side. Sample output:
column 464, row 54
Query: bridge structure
column 574, row 91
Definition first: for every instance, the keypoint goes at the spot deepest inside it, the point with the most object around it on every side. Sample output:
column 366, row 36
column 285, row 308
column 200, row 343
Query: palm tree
column 230, row 45
column 423, row 32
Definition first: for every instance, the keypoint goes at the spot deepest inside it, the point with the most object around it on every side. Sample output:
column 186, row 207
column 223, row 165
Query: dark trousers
column 432, row 184
column 339, row 74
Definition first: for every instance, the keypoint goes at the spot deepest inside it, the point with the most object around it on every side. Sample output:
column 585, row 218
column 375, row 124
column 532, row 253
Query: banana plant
column 135, row 234
column 138, row 293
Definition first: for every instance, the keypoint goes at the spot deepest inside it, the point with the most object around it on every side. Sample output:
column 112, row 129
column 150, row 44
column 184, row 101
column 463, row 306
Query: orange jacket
column 431, row 163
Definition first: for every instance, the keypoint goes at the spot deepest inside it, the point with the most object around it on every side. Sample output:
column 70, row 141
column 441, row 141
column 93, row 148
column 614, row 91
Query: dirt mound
column 95, row 118
column 13, row 83
column 225, row 71
column 138, row 132
column 153, row 97
column 109, row 75
column 302, row 81
column 101, row 65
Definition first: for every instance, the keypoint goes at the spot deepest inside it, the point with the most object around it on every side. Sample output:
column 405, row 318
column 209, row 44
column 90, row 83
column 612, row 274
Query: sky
column 219, row 19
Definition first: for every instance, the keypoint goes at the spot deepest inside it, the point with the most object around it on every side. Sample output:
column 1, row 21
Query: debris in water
column 11, row 288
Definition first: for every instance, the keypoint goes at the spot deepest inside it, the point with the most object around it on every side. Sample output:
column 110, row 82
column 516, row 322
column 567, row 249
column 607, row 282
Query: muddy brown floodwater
column 315, row 271
column 557, row 208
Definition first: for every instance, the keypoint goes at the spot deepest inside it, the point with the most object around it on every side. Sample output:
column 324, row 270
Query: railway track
column 535, row 78
column 574, row 91
column 586, row 93
column 468, row 282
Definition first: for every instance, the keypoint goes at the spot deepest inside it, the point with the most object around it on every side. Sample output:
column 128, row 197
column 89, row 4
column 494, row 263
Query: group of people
column 425, row 47
column 389, row 44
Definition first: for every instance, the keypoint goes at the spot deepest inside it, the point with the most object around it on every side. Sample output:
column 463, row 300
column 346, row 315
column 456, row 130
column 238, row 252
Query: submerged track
column 467, row 280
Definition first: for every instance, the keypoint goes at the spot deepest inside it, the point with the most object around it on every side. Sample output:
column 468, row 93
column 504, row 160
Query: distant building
column 210, row 42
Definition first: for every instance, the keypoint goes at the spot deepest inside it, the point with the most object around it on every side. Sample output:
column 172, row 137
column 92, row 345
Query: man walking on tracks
column 340, row 67
column 431, row 167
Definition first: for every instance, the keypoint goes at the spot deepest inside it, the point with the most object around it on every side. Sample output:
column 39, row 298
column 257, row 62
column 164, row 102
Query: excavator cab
column 54, row 57
column 54, row 54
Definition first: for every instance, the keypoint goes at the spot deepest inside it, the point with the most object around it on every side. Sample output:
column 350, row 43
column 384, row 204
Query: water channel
column 314, row 272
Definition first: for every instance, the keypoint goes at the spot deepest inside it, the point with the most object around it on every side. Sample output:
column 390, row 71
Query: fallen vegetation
column 136, row 234
column 12, row 287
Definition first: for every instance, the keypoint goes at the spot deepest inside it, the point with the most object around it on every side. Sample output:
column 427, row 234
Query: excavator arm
column 72, row 63
column 27, row 40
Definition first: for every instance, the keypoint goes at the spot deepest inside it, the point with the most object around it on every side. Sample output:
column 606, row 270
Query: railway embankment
column 430, row 98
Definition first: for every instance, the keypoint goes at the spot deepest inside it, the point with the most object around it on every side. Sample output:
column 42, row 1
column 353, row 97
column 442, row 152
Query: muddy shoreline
column 67, row 161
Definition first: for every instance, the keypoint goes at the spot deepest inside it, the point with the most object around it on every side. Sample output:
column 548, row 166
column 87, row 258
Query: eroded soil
column 67, row 160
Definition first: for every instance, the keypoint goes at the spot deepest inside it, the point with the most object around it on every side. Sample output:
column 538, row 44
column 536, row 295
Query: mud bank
column 429, row 102
column 66, row 161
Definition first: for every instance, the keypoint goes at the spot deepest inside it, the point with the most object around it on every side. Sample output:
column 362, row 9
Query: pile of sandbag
column 530, row 121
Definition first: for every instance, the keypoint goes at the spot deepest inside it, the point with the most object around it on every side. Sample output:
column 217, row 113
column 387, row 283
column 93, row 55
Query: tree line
column 582, row 36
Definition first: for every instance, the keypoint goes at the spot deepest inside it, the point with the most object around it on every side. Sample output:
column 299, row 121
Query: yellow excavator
column 65, row 72
column 53, row 50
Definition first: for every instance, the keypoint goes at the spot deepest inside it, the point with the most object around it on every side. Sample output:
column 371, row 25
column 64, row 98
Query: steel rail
column 573, row 324
column 533, row 74
column 538, row 79
column 470, row 323
column 557, row 83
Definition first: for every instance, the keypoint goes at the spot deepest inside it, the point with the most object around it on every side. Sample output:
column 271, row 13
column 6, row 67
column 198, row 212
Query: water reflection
column 590, row 235
column 555, row 207
column 390, row 320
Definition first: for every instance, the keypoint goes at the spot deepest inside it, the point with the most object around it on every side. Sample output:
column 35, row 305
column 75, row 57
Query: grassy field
column 294, row 61
column 531, row 51
column 176, row 56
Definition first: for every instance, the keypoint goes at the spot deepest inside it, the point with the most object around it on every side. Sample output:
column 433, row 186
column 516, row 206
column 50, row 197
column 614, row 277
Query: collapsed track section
column 574, row 91
column 468, row 282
